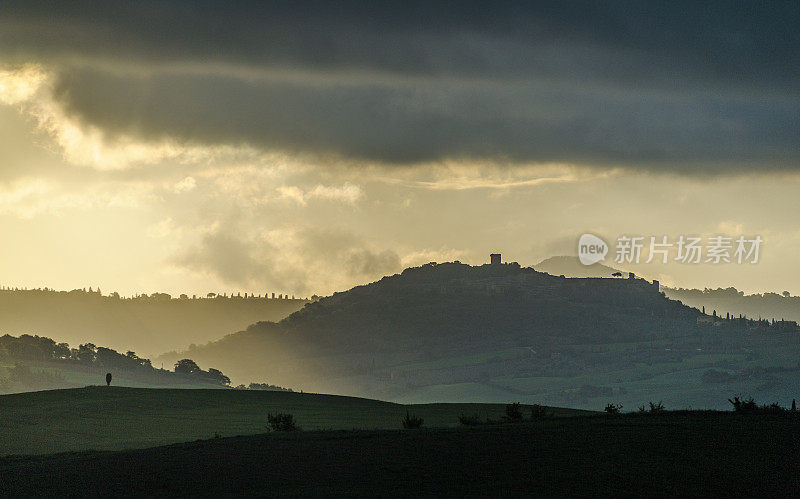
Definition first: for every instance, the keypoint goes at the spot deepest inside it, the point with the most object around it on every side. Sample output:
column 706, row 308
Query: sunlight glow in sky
column 163, row 158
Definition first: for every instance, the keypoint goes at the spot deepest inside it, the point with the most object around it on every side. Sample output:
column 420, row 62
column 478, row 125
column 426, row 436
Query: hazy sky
column 305, row 147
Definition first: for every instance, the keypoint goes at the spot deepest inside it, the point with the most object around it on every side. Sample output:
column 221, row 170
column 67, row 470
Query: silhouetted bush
column 514, row 412
column 613, row 408
column 412, row 422
column 749, row 406
column 772, row 408
column 744, row 406
column 540, row 412
column 473, row 420
column 282, row 422
column 659, row 407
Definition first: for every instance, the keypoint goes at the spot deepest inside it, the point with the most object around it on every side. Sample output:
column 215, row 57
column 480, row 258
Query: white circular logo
column 591, row 249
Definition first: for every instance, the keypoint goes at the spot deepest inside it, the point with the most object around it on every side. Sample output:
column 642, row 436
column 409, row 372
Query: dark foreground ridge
column 680, row 453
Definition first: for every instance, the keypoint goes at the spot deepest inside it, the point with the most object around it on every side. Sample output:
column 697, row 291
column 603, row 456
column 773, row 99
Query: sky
column 307, row 147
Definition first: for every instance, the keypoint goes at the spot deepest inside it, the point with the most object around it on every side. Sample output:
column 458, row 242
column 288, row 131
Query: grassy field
column 112, row 418
column 693, row 454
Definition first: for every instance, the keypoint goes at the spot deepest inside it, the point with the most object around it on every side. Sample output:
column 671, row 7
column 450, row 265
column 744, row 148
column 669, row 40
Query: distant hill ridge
column 147, row 324
column 770, row 305
column 483, row 295
column 438, row 311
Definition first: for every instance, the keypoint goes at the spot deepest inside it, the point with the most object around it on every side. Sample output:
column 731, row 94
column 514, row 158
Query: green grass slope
column 107, row 418
column 697, row 454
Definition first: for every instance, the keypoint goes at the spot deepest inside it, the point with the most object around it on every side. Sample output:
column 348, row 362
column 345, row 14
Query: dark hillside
column 437, row 305
column 671, row 455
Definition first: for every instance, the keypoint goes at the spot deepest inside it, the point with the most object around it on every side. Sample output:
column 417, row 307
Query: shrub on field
column 514, row 412
column 282, row 422
column 772, row 408
column 411, row 421
column 744, row 406
column 613, row 408
column 473, row 420
column 540, row 412
column 749, row 406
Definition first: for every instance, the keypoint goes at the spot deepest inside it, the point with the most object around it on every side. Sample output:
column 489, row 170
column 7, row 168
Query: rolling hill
column 683, row 454
column 493, row 333
column 113, row 418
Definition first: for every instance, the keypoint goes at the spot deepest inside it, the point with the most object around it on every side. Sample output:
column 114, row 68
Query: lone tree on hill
column 108, row 379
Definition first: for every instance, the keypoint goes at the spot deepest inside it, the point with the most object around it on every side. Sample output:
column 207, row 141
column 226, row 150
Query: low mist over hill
column 33, row 363
column 770, row 305
column 145, row 324
column 776, row 306
column 452, row 332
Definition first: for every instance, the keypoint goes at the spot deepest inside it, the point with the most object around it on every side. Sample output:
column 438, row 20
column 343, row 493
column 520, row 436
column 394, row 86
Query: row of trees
column 41, row 349
column 777, row 305
column 263, row 387
column 153, row 296
column 190, row 368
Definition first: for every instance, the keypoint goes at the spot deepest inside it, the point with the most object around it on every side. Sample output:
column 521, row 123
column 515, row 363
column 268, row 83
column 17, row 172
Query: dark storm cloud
column 731, row 41
column 402, row 123
column 680, row 85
